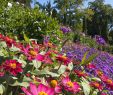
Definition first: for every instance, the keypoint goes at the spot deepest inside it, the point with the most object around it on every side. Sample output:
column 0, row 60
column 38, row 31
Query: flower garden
column 40, row 56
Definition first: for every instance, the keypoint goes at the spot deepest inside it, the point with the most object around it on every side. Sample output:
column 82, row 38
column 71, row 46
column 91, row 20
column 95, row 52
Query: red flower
column 8, row 41
column 1, row 36
column 96, row 85
column 13, row 67
column 91, row 66
column 80, row 73
column 63, row 59
column 107, row 81
column 99, row 73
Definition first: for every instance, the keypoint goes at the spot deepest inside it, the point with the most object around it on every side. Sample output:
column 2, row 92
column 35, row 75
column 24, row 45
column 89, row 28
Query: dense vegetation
column 56, row 49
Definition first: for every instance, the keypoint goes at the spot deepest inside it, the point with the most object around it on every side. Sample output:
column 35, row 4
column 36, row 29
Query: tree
column 69, row 12
column 100, row 19
column 48, row 8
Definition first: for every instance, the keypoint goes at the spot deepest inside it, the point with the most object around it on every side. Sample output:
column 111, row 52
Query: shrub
column 16, row 19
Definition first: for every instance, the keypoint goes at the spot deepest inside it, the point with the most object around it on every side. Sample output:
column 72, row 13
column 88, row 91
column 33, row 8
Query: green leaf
column 87, row 61
column 36, row 64
column 1, row 89
column 24, row 84
column 62, row 69
column 86, row 86
column 45, row 72
column 93, row 56
column 84, row 58
column 70, row 66
column 14, row 78
column 26, row 38
column 11, row 93
column 14, row 49
column 96, row 79
column 3, row 44
column 22, row 61
column 26, row 79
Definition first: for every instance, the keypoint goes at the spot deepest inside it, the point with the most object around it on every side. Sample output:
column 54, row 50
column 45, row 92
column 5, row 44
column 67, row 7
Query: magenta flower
column 13, row 67
column 70, row 86
column 32, row 53
column 40, row 90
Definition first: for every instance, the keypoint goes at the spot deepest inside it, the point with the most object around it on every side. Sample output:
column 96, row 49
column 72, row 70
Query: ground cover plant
column 102, row 64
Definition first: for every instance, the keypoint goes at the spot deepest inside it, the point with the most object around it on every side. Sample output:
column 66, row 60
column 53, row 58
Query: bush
column 16, row 19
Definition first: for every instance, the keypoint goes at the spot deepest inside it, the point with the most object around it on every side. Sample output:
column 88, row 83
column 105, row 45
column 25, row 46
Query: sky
column 106, row 1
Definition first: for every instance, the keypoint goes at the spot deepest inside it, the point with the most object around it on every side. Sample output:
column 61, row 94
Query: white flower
column 39, row 28
column 9, row 5
column 44, row 21
column 17, row 2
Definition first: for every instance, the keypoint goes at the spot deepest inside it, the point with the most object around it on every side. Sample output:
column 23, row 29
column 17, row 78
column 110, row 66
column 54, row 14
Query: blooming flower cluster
column 43, row 69
column 102, row 64
column 100, row 40
column 65, row 29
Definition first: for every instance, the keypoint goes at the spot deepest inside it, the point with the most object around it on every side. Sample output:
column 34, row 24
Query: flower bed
column 102, row 63
column 42, row 69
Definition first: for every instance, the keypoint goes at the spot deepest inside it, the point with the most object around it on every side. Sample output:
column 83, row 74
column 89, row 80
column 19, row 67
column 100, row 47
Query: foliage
column 31, row 22
column 101, row 19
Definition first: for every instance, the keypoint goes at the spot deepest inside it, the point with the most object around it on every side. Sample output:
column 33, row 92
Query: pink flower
column 48, row 57
column 40, row 90
column 32, row 53
column 40, row 57
column 103, row 94
column 13, row 67
column 70, row 86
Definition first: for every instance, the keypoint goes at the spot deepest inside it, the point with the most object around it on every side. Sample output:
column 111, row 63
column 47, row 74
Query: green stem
column 33, row 68
column 16, row 91
column 65, row 42
column 7, row 83
column 59, row 67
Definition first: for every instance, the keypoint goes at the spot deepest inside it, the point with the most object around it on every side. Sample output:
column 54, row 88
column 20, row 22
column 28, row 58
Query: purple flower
column 65, row 30
column 100, row 40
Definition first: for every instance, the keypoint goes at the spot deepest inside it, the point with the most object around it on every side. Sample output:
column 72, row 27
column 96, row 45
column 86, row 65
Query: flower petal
column 33, row 89
column 26, row 91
